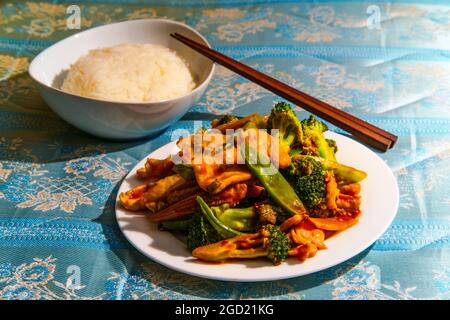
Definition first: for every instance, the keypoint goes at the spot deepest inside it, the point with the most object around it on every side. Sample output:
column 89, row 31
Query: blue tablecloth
column 387, row 62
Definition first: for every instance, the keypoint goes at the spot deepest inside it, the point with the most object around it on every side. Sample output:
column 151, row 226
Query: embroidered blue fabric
column 385, row 61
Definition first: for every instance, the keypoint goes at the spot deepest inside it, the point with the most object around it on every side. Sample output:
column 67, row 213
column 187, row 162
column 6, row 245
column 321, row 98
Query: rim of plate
column 276, row 275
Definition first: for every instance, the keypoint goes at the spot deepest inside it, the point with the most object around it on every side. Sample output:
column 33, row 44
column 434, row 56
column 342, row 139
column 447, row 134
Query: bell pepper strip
column 326, row 224
column 273, row 181
column 335, row 223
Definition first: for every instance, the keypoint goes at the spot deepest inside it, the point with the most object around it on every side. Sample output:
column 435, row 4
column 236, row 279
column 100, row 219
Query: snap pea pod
column 275, row 184
column 344, row 174
column 176, row 225
column 224, row 231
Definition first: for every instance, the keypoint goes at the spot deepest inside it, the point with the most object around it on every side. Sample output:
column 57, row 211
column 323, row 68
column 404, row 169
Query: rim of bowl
column 143, row 103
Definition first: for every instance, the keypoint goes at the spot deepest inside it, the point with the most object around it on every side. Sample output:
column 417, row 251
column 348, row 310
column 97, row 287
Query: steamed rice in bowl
column 130, row 73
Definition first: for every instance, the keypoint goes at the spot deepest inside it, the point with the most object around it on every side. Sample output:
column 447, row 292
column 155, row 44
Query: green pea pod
column 344, row 174
column 176, row 225
column 223, row 230
column 273, row 181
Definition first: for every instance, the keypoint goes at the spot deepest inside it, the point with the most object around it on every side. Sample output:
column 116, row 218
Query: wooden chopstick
column 360, row 129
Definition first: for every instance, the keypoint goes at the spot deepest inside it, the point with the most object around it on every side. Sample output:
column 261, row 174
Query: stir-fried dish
column 273, row 188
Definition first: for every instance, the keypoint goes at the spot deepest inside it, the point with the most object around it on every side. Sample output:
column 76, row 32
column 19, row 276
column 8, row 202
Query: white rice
column 130, row 73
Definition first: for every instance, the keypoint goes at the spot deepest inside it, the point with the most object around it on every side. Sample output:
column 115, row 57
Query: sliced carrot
column 335, row 223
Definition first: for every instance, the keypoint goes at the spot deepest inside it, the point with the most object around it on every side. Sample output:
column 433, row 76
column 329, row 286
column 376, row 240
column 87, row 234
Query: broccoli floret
column 310, row 182
column 278, row 244
column 240, row 219
column 314, row 124
column 224, row 119
column 200, row 233
column 270, row 213
column 343, row 174
column 267, row 213
column 285, row 120
column 332, row 144
column 314, row 142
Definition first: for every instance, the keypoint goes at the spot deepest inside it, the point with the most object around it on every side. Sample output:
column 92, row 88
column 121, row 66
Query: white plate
column 380, row 198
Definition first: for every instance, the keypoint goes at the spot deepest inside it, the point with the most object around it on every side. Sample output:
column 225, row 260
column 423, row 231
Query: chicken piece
column 231, row 195
column 155, row 168
column 150, row 195
column 214, row 178
column 309, row 240
column 215, row 148
column 351, row 189
column 134, row 199
column 348, row 205
column 304, row 251
column 154, row 197
column 195, row 146
column 306, row 232
column 332, row 191
column 217, row 165
column 160, row 188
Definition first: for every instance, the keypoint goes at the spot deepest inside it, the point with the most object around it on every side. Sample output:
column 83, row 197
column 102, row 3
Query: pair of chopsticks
column 360, row 129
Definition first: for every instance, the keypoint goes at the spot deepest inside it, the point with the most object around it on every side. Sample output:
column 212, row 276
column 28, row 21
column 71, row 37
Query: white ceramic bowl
column 118, row 120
